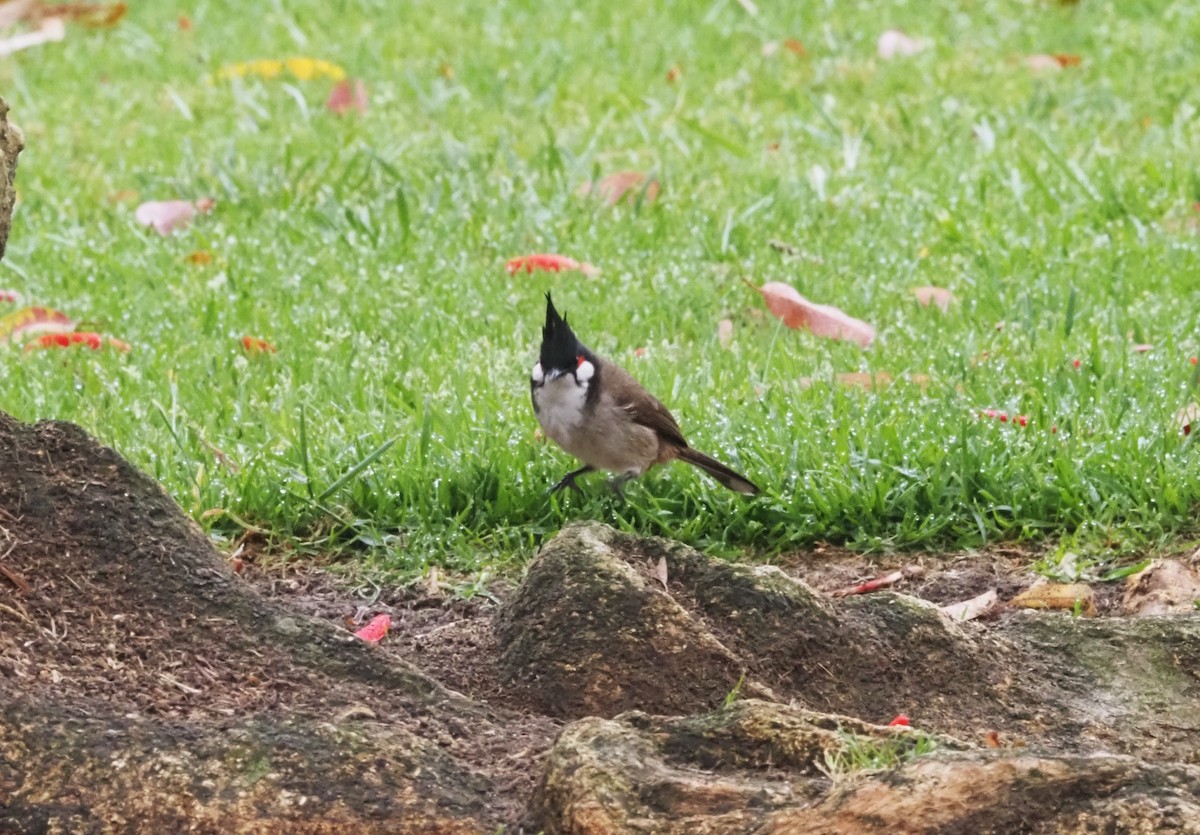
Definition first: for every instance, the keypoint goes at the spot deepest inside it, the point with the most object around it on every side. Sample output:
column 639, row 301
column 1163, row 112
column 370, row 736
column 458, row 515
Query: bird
column 597, row 412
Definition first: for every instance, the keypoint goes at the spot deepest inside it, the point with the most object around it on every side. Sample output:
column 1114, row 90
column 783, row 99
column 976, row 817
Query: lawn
column 1057, row 204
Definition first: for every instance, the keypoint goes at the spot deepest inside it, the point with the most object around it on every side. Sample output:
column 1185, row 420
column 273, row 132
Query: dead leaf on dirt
column 660, row 572
column 870, row 585
column 939, row 296
column 725, row 332
column 51, row 29
column 1066, row 596
column 973, row 608
column 896, row 44
column 795, row 311
column 347, row 96
column 433, row 584
column 622, row 184
column 167, row 216
column 1163, row 587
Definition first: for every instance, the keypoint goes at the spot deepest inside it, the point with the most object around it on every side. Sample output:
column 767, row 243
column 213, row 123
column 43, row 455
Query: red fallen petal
column 549, row 263
column 1192, row 360
column 345, row 97
column 1004, row 417
column 254, row 345
column 1077, row 363
column 375, row 630
column 901, row 721
column 1054, row 429
column 1021, row 420
column 66, row 340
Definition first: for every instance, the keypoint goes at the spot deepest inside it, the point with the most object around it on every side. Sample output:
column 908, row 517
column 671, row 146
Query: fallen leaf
column 894, row 43
column 674, row 74
column 303, row 69
column 548, row 263
column 89, row 339
column 725, row 333
column 971, row 609
column 10, row 296
column 375, row 630
column 51, row 29
column 940, row 296
column 870, row 585
column 864, row 379
column 199, row 257
column 991, row 739
column 795, row 311
column 795, row 47
column 29, row 321
column 185, row 23
column 348, row 96
column 167, row 216
column 254, row 345
column 1043, row 63
column 1162, row 588
column 95, row 15
column 1066, row 59
column 614, row 187
column 1184, row 418
column 660, row 572
column 1057, row 596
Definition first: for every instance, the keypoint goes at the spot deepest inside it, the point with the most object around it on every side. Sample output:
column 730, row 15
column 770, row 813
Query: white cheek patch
column 537, row 375
column 585, row 371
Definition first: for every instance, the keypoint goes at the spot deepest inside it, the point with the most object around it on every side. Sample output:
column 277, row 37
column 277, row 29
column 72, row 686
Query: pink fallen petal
column 940, row 296
column 548, row 262
column 375, row 631
column 795, row 311
column 10, row 296
column 347, row 96
column 725, row 333
column 894, row 43
column 165, row 216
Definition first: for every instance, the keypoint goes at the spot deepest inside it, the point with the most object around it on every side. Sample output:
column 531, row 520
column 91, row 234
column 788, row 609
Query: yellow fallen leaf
column 1057, row 596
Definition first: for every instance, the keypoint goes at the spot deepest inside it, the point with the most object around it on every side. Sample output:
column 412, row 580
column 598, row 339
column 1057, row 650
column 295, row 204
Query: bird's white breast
column 560, row 402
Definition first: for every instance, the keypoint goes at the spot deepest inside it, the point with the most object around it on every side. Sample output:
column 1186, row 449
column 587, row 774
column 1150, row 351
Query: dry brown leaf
column 973, row 608
column 660, row 572
column 1161, row 588
column 940, row 296
column 795, row 311
column 1057, row 596
column 864, row 379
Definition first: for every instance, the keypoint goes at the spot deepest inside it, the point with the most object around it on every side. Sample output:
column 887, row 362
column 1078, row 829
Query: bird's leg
column 618, row 482
column 569, row 480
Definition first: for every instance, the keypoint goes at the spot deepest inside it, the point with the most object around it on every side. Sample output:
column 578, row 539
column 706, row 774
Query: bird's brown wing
column 649, row 412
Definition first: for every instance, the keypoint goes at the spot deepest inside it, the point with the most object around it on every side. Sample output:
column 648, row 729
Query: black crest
column 560, row 347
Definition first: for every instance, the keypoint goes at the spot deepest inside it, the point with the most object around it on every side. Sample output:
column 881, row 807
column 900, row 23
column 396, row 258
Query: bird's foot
column 569, row 481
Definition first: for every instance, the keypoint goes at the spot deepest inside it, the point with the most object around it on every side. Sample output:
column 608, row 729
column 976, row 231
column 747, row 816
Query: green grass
column 371, row 251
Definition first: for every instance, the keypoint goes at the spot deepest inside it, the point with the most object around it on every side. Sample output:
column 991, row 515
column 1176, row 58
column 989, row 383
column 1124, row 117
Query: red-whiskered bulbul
column 596, row 411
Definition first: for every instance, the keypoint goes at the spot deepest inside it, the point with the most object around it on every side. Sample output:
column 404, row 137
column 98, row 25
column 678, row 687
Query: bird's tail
column 719, row 471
